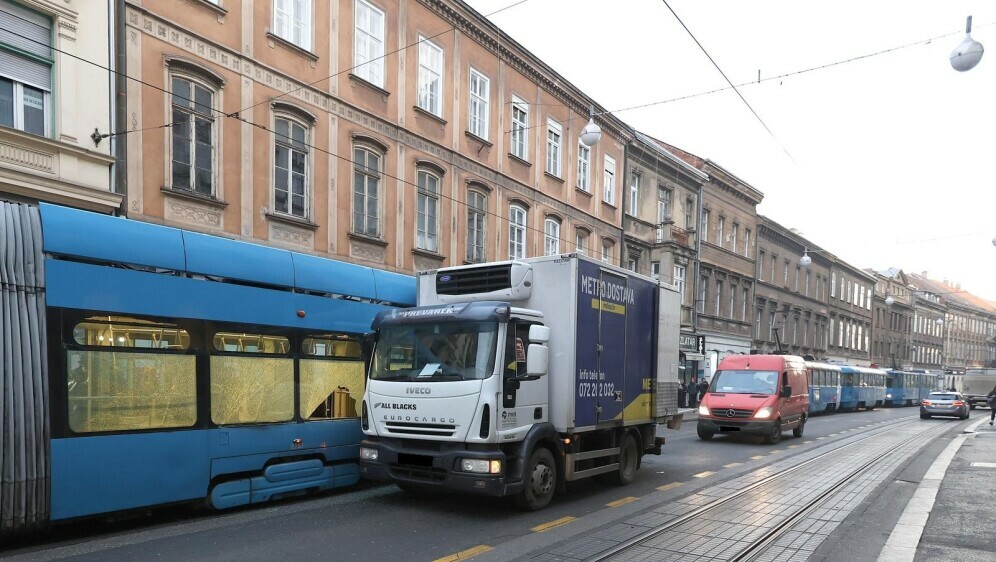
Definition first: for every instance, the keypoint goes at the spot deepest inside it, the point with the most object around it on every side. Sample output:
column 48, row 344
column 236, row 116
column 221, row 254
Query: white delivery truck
column 512, row 378
column 976, row 384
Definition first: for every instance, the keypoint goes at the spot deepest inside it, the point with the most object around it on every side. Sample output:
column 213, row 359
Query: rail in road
column 750, row 517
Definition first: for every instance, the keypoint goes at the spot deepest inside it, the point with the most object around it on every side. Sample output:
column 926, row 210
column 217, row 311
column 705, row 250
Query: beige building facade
column 401, row 134
column 52, row 101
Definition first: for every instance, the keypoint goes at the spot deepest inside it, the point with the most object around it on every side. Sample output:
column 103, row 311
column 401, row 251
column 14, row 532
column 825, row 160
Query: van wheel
column 775, row 435
column 704, row 435
column 797, row 431
column 540, row 481
column 628, row 458
column 924, row 416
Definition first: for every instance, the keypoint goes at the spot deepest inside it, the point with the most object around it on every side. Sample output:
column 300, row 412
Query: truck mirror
column 538, row 359
column 786, row 391
column 539, row 334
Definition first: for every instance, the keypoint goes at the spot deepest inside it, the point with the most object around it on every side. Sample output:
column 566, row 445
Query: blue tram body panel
column 231, row 259
column 110, row 239
column 312, row 274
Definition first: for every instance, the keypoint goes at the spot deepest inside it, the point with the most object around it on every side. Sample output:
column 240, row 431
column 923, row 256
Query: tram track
column 757, row 546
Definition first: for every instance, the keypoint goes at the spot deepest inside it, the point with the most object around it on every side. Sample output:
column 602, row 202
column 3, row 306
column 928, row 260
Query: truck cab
column 756, row 394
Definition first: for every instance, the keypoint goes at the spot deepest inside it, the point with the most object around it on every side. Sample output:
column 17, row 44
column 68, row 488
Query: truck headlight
column 703, row 411
column 481, row 466
column 763, row 414
column 368, row 454
column 889, row 395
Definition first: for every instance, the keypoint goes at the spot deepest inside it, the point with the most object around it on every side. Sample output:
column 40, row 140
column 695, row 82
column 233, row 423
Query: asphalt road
column 378, row 522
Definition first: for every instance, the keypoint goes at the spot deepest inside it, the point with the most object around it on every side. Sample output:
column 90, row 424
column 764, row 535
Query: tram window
column 251, row 389
column 251, row 343
column 333, row 345
column 122, row 331
column 332, row 377
column 117, row 391
column 848, row 380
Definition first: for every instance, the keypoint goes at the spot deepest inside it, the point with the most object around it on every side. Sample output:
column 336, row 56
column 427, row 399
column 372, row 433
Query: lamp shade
column 591, row 133
column 805, row 259
column 967, row 54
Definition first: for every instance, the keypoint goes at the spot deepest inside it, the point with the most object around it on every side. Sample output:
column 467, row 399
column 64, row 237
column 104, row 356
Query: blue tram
column 861, row 387
column 910, row 388
column 824, row 386
column 153, row 365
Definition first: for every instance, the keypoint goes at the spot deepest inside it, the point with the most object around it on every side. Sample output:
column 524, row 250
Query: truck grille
column 730, row 413
column 433, row 429
column 471, row 280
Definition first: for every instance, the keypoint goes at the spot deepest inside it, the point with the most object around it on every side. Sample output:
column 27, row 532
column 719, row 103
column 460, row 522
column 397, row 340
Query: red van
column 757, row 394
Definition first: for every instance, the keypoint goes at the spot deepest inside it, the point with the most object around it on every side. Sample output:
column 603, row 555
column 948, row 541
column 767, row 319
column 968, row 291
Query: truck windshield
column 745, row 382
column 438, row 351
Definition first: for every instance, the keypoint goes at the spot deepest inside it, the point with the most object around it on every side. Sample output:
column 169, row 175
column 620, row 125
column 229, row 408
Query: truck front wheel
column 541, row 481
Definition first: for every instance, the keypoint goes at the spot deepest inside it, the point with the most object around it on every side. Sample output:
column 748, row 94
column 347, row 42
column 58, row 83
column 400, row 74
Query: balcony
column 667, row 232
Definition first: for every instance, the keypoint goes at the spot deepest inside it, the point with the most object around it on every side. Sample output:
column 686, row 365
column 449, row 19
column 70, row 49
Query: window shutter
column 36, row 30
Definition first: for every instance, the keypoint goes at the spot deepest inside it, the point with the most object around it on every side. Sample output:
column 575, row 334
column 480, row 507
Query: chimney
column 924, row 275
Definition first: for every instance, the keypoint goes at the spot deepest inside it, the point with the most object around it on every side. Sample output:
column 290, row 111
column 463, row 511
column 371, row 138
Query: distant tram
column 146, row 365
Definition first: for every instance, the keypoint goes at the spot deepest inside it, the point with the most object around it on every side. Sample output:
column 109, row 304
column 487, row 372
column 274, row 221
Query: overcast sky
column 888, row 161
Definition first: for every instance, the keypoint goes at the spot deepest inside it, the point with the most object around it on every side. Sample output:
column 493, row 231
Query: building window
column 689, row 213
column 292, row 21
column 732, row 302
column 520, row 128
column 663, row 204
column 609, row 187
column 581, row 241
column 655, row 269
column 679, row 280
column 553, row 136
column 700, row 301
column 774, row 262
column 607, row 251
column 26, row 66
column 796, row 283
column 807, row 282
column 516, row 232
column 430, row 77
column 743, row 305
column 427, row 212
column 747, row 242
column 720, row 227
column 733, row 237
column 480, row 88
column 366, row 191
column 719, row 295
column 551, row 238
column 584, row 167
column 477, row 212
column 193, row 136
column 785, row 274
column 833, row 285
column 290, row 168
column 633, row 264
column 368, row 45
column 705, row 224
column 634, row 194
column 760, row 264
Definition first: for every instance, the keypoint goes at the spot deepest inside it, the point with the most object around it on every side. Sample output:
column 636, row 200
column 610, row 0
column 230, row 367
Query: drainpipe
column 698, row 263
column 119, row 109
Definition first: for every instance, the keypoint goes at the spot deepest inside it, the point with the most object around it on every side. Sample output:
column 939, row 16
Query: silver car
column 944, row 404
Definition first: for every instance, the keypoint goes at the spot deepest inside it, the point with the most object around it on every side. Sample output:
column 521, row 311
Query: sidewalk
column 950, row 516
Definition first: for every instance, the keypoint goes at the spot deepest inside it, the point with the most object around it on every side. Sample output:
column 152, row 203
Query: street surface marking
column 732, row 464
column 807, row 441
column 704, row 474
column 465, row 554
column 820, row 438
column 757, row 457
column 792, row 446
column 984, row 464
column 552, row 524
column 623, row 501
column 670, row 486
column 775, row 452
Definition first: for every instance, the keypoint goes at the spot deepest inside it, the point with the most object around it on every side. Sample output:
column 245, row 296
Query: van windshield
column 745, row 382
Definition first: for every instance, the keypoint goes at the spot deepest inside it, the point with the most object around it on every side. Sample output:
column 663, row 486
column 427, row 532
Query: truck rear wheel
column 628, row 458
column 540, row 481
